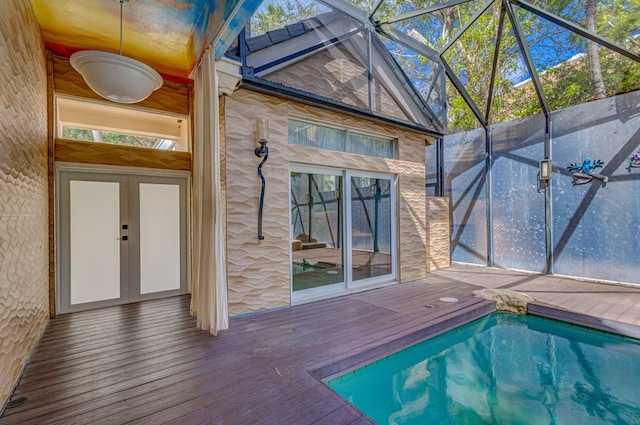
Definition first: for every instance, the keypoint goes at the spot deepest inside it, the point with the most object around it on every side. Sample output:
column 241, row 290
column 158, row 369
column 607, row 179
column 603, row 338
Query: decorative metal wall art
column 585, row 172
column 262, row 126
column 634, row 161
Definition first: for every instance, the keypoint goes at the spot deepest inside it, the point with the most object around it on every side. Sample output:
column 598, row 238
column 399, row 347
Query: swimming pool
column 503, row 369
column 297, row 268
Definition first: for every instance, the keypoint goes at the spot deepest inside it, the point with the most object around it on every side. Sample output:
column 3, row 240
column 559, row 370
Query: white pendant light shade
column 116, row 77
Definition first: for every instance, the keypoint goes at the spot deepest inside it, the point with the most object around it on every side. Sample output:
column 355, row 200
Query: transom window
column 320, row 136
column 100, row 122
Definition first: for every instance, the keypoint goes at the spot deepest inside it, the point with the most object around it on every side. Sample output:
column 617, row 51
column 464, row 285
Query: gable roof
column 308, row 48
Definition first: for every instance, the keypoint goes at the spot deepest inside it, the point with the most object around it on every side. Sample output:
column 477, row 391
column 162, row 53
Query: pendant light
column 116, row 77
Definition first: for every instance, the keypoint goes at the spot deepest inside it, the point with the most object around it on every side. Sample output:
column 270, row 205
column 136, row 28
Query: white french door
column 123, row 238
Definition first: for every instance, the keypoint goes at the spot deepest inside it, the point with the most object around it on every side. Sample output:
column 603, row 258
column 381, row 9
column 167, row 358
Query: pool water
column 503, row 369
column 297, row 268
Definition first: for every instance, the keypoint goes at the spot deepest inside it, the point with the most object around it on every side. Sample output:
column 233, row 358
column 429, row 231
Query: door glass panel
column 370, row 227
column 94, row 245
column 316, row 229
column 159, row 237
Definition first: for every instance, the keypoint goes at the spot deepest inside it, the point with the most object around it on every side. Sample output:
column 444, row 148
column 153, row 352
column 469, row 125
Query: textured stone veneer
column 259, row 271
column 438, row 233
column 24, row 279
column 348, row 81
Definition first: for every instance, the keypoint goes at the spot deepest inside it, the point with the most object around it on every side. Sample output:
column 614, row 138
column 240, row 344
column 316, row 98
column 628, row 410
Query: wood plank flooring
column 146, row 363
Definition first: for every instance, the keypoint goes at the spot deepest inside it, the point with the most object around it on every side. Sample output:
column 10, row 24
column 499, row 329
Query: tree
column 281, row 13
column 99, row 136
column 571, row 68
column 591, row 12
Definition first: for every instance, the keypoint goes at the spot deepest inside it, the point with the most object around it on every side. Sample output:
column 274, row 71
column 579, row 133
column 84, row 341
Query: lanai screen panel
column 596, row 232
column 518, row 208
column 465, row 186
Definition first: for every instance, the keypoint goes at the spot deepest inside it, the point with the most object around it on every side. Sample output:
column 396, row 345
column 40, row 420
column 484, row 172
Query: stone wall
column 337, row 74
column 259, row 271
column 438, row 233
column 24, row 279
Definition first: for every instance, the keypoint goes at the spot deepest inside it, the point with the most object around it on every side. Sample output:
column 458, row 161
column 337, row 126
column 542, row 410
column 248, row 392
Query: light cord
column 121, row 3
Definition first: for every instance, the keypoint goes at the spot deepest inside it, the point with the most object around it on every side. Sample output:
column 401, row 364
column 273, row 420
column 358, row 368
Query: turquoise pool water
column 503, row 369
column 302, row 267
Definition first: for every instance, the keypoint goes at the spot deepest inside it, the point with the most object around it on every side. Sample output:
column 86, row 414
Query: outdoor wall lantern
column 545, row 169
column 262, row 151
column 116, row 77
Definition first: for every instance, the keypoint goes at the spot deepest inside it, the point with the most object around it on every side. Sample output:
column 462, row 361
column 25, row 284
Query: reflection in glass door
column 316, row 229
column 341, row 242
column 370, row 210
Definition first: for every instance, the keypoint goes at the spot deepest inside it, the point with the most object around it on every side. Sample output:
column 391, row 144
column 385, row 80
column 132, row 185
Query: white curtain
column 208, row 271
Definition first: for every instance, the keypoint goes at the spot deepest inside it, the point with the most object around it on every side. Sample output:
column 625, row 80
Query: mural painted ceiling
column 168, row 35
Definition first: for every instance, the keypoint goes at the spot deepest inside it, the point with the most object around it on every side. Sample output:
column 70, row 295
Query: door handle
column 124, row 238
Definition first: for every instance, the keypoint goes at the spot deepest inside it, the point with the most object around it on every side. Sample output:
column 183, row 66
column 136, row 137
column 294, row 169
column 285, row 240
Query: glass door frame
column 393, row 231
column 129, row 252
column 348, row 285
column 326, row 289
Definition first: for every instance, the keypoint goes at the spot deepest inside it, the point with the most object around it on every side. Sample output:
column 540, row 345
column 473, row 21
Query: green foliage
column 281, row 13
column 565, row 82
column 73, row 133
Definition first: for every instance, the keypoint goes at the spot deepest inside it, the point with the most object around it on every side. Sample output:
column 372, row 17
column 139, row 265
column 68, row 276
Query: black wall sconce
column 262, row 151
column 545, row 169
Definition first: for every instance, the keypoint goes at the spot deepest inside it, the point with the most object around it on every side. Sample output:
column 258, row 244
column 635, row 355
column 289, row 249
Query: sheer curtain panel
column 209, row 281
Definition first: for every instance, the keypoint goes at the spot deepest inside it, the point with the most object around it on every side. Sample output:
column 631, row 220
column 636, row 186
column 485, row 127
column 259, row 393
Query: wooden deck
column 146, row 363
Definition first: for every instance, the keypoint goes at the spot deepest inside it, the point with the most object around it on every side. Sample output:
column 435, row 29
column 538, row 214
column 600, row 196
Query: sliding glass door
column 371, row 219
column 316, row 227
column 340, row 242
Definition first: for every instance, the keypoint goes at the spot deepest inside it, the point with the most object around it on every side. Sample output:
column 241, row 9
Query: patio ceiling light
column 114, row 76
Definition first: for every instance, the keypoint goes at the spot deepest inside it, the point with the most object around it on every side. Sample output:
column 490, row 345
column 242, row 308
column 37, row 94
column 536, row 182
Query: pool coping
column 459, row 318
column 580, row 319
column 443, row 324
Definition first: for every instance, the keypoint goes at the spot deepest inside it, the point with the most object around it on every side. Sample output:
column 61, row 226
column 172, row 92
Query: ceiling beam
column 466, row 26
column 409, row 42
column 375, row 9
column 350, row 10
column 422, row 11
column 464, row 93
column 494, row 65
column 524, row 47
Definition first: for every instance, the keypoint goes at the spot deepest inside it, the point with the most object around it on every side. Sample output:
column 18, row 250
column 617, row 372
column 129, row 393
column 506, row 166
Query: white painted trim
column 394, row 224
column 119, row 171
column 305, row 300
column 229, row 75
column 349, row 286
